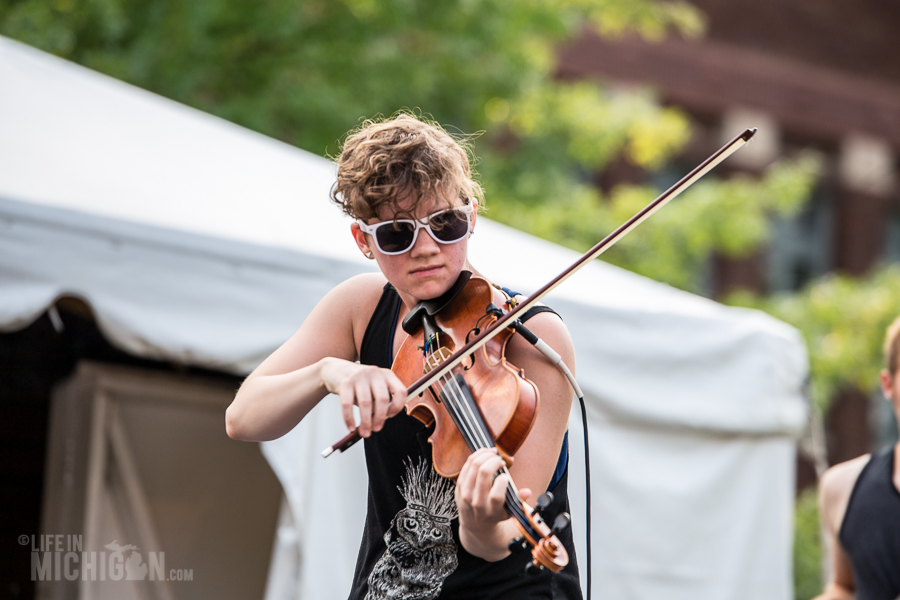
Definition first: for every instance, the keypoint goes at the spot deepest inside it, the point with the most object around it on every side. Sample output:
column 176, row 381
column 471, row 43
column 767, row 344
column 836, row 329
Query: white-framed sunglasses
column 397, row 236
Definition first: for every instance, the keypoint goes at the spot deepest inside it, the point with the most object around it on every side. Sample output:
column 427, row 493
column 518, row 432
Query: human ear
column 887, row 385
column 359, row 236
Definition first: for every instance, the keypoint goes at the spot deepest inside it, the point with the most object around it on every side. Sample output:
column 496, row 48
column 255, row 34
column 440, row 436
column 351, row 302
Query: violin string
column 475, row 435
column 466, row 416
column 454, row 397
column 471, row 414
column 454, row 400
column 479, row 437
column 517, row 510
column 450, row 393
column 464, row 412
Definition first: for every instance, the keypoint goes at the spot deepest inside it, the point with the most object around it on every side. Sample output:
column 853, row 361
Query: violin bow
column 602, row 246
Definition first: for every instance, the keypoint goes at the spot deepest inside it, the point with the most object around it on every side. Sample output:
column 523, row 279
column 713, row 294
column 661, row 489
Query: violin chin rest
column 413, row 321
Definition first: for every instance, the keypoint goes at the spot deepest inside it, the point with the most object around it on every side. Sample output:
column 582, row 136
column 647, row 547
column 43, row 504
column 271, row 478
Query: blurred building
column 819, row 74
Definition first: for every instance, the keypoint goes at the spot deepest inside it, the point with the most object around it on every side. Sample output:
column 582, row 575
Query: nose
column 425, row 245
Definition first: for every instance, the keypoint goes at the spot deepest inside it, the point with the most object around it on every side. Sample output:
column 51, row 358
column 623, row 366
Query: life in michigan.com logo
column 62, row 557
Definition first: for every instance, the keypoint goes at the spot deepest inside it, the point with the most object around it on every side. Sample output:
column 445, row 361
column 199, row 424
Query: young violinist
column 409, row 187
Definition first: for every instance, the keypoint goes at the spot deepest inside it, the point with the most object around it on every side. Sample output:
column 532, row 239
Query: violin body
column 508, row 401
column 485, row 396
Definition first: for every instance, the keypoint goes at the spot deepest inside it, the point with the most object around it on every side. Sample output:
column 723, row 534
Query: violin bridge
column 435, row 359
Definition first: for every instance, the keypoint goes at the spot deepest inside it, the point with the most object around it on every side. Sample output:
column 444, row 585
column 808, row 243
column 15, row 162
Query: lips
column 425, row 271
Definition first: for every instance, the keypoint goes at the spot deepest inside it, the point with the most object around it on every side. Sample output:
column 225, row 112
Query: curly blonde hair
column 384, row 161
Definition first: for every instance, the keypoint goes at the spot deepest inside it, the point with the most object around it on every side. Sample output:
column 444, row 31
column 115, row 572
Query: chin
column 426, row 290
column 429, row 292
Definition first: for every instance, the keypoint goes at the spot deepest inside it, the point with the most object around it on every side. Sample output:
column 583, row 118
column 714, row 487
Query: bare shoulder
column 835, row 488
column 359, row 292
column 841, row 477
column 334, row 327
column 549, row 325
column 551, row 329
column 356, row 298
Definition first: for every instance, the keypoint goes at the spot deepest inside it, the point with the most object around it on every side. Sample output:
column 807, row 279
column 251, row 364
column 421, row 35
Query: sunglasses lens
column 395, row 237
column 447, row 227
column 450, row 226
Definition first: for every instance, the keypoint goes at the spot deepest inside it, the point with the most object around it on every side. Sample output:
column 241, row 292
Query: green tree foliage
column 843, row 320
column 730, row 217
column 306, row 71
column 807, row 547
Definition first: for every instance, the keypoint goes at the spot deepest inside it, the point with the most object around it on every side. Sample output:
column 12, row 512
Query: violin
column 489, row 401
column 485, row 403
column 486, row 416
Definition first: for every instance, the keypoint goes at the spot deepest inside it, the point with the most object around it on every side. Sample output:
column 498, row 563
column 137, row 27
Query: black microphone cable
column 557, row 360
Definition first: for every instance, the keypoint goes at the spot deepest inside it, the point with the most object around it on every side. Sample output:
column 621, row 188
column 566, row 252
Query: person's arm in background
column 835, row 488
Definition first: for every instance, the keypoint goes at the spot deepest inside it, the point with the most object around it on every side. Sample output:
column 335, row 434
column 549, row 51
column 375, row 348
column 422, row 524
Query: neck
column 410, row 301
column 468, row 267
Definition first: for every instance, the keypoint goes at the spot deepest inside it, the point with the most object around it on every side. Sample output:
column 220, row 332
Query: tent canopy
column 200, row 242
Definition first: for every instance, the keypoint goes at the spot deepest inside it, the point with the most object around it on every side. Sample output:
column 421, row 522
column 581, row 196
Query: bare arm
column 485, row 527
column 319, row 358
column 834, row 494
column 841, row 586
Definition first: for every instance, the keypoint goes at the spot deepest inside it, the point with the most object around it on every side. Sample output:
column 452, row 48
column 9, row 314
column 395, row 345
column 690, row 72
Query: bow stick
column 602, row 246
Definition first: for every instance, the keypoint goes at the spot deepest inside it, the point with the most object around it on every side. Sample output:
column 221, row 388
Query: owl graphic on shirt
column 421, row 552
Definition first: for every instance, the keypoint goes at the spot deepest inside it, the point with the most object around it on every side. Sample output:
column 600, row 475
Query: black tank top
column 410, row 548
column 870, row 532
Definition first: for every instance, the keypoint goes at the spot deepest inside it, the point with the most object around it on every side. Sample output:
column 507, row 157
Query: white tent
column 200, row 242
